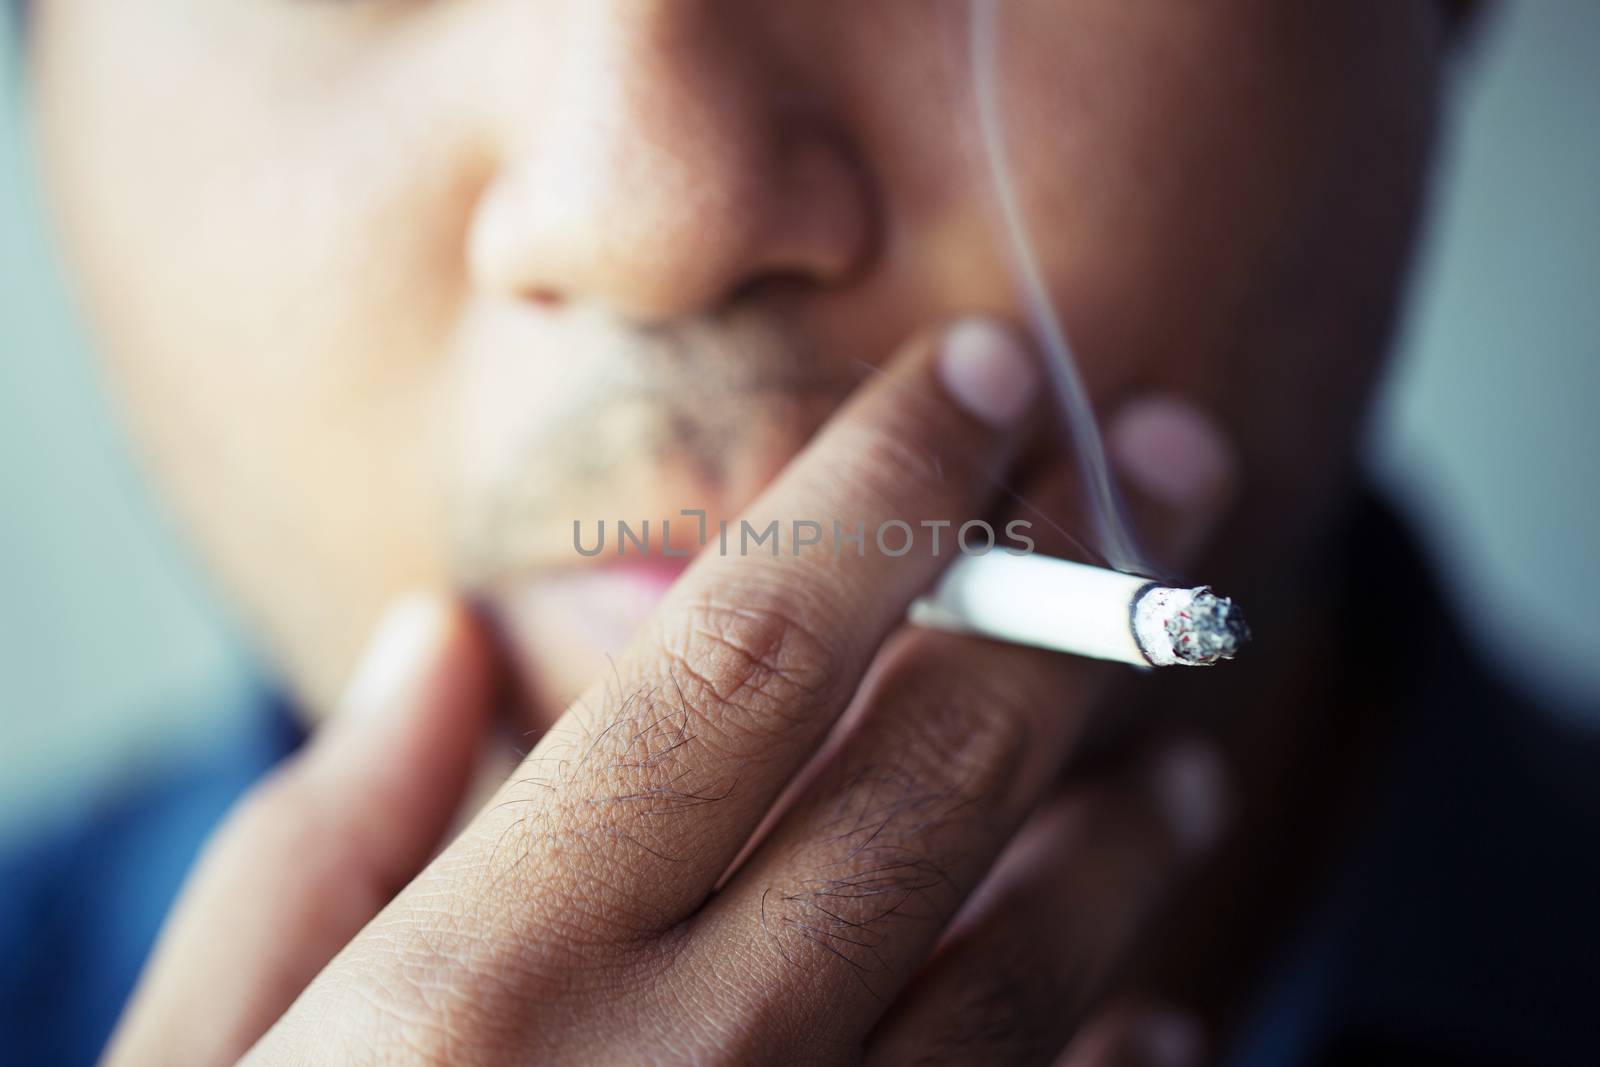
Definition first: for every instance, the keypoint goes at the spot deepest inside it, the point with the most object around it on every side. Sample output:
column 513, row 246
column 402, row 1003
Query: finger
column 1132, row 1034
column 649, row 787
column 315, row 851
column 1041, row 937
column 957, row 740
column 1179, row 473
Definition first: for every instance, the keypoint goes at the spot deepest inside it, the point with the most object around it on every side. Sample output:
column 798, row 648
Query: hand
column 588, row 913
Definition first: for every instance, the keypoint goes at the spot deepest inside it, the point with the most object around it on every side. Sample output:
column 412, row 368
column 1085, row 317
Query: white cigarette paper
column 1087, row 611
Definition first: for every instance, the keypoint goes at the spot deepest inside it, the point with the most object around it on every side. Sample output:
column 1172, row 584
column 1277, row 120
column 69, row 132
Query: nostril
column 752, row 290
column 542, row 297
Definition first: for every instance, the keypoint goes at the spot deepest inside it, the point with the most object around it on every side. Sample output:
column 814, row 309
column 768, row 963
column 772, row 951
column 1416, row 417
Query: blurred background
column 114, row 653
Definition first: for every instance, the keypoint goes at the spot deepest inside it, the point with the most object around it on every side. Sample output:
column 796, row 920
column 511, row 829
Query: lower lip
column 649, row 580
column 603, row 605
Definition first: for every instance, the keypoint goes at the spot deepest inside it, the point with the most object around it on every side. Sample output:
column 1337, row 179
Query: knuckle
column 751, row 667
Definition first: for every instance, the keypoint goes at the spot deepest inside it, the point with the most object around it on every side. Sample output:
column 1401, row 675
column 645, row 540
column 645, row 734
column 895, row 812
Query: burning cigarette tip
column 1188, row 627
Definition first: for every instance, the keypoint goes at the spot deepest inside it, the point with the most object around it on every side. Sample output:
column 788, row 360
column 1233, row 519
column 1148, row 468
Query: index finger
column 646, row 790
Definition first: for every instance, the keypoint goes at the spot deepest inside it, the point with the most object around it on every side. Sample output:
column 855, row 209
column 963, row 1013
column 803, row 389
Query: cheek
column 274, row 264
column 1161, row 156
column 1136, row 152
column 1222, row 206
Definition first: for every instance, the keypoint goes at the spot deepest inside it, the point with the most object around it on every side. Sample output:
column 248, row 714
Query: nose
column 674, row 172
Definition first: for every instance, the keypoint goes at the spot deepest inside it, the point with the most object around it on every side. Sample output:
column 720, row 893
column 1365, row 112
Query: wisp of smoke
column 1112, row 534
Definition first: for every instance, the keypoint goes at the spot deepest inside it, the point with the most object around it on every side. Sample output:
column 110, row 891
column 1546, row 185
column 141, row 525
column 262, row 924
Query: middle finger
column 959, row 739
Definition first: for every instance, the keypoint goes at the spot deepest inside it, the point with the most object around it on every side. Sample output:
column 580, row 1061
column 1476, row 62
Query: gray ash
column 1212, row 628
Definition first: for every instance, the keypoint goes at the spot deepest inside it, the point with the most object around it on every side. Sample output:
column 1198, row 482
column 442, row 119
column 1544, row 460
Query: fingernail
column 396, row 653
column 1168, row 1039
column 1170, row 450
column 987, row 372
column 1190, row 788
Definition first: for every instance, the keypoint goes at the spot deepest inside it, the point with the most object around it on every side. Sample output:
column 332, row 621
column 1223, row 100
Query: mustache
column 645, row 419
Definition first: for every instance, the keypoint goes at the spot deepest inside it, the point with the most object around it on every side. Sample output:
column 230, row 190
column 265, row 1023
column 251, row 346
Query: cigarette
column 1086, row 611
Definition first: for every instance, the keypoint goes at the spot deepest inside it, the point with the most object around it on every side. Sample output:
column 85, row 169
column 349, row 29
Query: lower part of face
column 395, row 292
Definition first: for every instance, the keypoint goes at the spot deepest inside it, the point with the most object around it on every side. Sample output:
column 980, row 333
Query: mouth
column 645, row 581
column 608, row 602
column 699, row 416
column 564, row 628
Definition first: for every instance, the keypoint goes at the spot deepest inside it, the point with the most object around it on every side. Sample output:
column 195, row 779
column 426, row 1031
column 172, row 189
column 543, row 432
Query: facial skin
column 393, row 292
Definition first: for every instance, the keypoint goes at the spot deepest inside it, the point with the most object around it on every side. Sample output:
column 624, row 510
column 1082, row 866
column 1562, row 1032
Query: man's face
column 393, row 291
